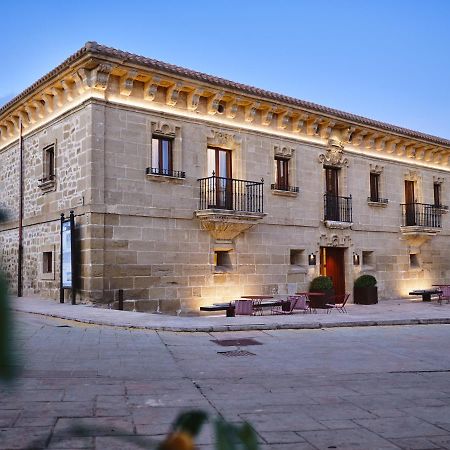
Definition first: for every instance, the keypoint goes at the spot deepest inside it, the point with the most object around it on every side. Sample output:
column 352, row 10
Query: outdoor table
column 425, row 293
column 256, row 297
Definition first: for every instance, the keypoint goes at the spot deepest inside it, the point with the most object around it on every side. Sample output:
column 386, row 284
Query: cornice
column 107, row 74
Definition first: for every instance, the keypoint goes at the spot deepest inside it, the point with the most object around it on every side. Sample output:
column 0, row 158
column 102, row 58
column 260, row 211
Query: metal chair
column 444, row 295
column 338, row 302
column 244, row 308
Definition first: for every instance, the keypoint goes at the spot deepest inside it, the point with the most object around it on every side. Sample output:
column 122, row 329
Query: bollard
column 120, row 307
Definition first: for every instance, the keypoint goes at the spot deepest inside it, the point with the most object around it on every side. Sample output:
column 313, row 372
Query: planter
column 365, row 295
column 320, row 302
column 286, row 306
column 231, row 311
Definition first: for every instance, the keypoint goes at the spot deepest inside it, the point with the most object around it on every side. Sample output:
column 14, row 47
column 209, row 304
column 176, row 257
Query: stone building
column 189, row 189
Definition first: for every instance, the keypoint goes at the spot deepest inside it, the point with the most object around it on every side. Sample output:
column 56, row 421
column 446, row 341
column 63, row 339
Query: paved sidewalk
column 385, row 313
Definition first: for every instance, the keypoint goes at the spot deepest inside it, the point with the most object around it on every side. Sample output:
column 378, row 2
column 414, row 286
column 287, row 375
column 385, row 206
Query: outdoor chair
column 338, row 302
column 257, row 307
column 444, row 295
column 296, row 302
column 243, row 308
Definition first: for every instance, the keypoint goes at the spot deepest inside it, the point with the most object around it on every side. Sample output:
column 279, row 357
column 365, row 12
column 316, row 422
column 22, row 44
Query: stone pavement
column 390, row 312
column 346, row 388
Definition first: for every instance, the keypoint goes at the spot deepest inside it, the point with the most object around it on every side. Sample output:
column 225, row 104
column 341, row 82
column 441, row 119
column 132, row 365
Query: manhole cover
column 236, row 342
column 236, row 353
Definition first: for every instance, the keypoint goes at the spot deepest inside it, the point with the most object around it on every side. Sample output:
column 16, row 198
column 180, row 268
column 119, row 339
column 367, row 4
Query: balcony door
column 221, row 187
column 332, row 193
column 410, row 200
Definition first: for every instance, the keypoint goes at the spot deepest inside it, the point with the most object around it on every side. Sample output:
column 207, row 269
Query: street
column 346, row 388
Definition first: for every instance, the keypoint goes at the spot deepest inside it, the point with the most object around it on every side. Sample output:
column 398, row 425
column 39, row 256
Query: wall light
column 312, row 259
column 355, row 259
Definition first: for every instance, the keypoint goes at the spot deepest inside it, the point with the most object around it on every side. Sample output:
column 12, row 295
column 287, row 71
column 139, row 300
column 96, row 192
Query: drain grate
column 236, row 342
column 231, row 353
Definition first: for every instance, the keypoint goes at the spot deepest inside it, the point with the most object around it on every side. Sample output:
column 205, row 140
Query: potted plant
column 321, row 284
column 365, row 290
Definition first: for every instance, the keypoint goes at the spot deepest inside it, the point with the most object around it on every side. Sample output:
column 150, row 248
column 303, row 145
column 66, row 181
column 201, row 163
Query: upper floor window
column 282, row 176
column 49, row 163
column 437, row 194
column 374, row 187
column 162, row 159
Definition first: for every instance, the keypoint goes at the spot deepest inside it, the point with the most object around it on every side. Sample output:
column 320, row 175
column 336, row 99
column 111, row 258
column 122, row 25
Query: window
column 296, row 257
column 374, row 187
column 414, row 262
column 282, row 181
column 437, row 194
column 49, row 164
column 47, row 262
column 162, row 161
column 367, row 258
column 222, row 261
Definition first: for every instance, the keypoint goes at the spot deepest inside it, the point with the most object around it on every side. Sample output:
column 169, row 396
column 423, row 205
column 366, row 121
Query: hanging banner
column 66, row 254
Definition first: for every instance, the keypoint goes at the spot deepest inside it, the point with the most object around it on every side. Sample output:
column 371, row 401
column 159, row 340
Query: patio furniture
column 445, row 293
column 243, row 307
column 291, row 304
column 338, row 302
column 425, row 293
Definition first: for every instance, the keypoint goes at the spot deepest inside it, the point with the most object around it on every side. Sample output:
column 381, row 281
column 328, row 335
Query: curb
column 250, row 327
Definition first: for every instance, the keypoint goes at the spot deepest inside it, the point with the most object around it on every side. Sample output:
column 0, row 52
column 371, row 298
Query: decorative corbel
column 298, row 124
column 173, row 92
column 411, row 151
column 100, row 76
column 82, row 79
column 24, row 119
column 151, row 87
column 283, row 119
column 67, row 90
column 213, row 102
column 232, row 108
column 429, row 154
column 3, row 132
column 369, row 141
column 420, row 153
column 380, row 144
column 267, row 116
column 127, row 81
column 57, row 97
column 391, row 145
column 400, row 149
column 15, row 120
column 358, row 137
column 326, row 127
column 193, row 99
column 250, row 111
column 10, row 127
column 31, row 113
column 48, row 103
column 312, row 126
column 39, row 107
column 346, row 134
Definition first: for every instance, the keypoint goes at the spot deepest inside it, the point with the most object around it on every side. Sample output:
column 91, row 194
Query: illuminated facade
column 189, row 189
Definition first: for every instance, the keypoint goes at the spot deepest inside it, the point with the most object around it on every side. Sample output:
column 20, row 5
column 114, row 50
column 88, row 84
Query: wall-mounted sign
column 66, row 254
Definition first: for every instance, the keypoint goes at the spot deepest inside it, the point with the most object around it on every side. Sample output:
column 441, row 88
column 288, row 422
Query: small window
column 162, row 161
column 47, row 262
column 49, row 163
column 367, row 258
column 374, row 187
column 414, row 262
column 282, row 181
column 437, row 194
column 296, row 257
column 222, row 261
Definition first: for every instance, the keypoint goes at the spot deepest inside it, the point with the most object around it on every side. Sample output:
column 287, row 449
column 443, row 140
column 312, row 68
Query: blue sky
column 387, row 60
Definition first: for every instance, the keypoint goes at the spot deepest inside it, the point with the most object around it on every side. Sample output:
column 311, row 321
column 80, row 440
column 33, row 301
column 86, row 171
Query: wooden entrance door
column 410, row 200
column 219, row 165
column 332, row 192
column 332, row 265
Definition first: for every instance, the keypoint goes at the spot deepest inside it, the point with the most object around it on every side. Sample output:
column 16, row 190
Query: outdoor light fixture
column 355, row 259
column 312, row 259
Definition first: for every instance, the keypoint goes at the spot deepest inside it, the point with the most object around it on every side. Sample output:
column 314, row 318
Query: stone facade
column 147, row 233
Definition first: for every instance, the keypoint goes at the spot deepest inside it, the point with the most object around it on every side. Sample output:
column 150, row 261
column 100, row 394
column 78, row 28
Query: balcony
column 420, row 221
column 377, row 201
column 337, row 211
column 284, row 189
column 157, row 174
column 229, row 206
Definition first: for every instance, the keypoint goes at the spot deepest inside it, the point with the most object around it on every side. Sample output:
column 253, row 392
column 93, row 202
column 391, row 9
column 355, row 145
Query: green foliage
column 230, row 436
column 321, row 284
column 190, row 422
column 365, row 281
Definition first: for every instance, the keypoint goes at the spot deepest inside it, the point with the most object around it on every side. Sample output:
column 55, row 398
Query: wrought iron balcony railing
column 421, row 215
column 385, row 201
column 283, row 187
column 165, row 172
column 338, row 209
column 231, row 194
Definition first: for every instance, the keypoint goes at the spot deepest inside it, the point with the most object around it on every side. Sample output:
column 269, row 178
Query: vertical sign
column 66, row 254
